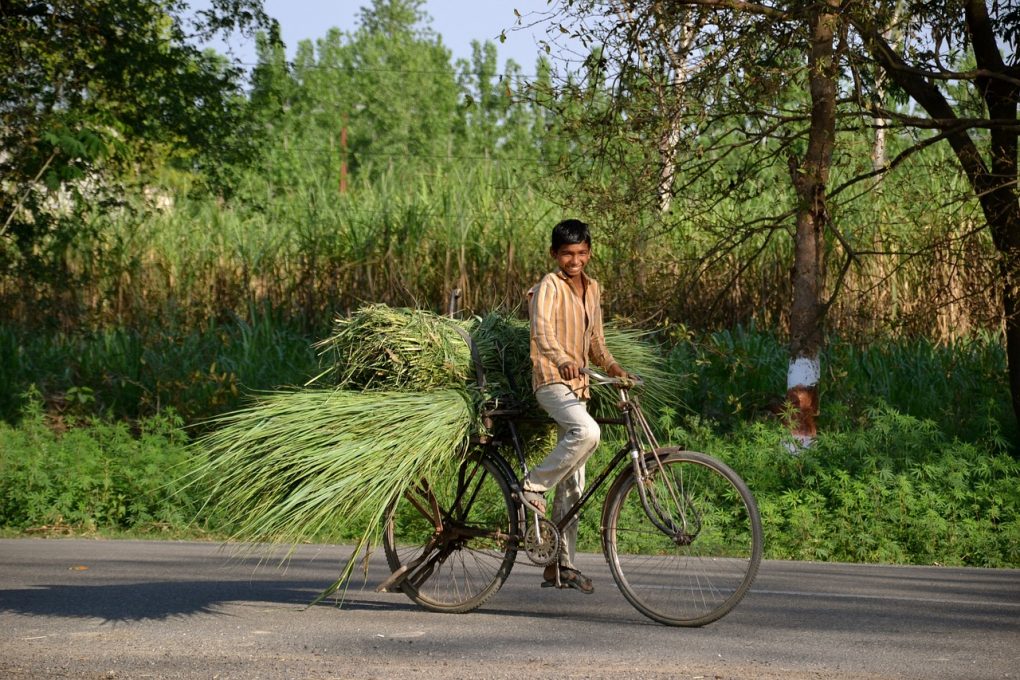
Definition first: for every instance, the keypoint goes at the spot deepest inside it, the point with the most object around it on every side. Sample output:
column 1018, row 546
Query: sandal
column 570, row 578
column 534, row 501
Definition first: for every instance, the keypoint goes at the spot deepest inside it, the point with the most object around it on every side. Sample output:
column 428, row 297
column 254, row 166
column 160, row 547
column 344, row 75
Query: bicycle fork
column 645, row 476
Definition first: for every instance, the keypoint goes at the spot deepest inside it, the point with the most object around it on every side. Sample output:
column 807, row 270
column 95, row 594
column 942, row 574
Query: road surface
column 72, row 608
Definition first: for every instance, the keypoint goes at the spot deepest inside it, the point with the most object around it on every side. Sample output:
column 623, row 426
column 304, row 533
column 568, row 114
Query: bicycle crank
column 542, row 542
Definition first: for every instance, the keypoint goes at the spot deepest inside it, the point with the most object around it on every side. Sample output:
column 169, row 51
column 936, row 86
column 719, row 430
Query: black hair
column 569, row 232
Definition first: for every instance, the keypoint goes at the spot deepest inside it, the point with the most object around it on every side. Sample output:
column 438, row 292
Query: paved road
column 135, row 609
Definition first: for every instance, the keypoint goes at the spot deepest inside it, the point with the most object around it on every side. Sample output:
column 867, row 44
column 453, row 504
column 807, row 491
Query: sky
column 457, row 21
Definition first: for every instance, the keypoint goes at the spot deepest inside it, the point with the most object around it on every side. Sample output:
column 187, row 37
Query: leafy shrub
column 94, row 474
column 894, row 489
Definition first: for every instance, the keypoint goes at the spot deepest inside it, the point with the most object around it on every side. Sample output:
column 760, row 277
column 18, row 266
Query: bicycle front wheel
column 456, row 534
column 688, row 553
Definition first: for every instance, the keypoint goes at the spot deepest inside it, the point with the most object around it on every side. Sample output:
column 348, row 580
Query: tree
column 102, row 88
column 494, row 120
column 389, row 83
column 973, row 108
column 712, row 78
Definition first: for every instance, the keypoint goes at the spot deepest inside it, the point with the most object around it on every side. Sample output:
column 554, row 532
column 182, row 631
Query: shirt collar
column 563, row 277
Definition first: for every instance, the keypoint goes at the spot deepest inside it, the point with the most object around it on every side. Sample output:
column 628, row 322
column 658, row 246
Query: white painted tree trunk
column 802, row 376
column 810, row 178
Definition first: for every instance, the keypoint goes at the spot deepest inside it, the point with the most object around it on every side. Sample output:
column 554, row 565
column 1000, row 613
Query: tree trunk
column 668, row 151
column 879, row 155
column 997, row 190
column 810, row 177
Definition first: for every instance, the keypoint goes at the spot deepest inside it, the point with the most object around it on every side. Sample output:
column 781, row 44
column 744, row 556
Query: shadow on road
column 152, row 601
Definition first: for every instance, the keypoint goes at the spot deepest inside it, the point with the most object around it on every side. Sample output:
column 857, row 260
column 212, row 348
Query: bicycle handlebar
column 625, row 382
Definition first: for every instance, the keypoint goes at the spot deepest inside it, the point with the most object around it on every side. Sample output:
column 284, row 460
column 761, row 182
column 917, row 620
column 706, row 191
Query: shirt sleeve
column 543, row 323
column 598, row 352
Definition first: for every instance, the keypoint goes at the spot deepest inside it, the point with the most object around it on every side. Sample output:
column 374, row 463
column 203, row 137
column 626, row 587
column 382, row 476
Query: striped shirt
column 565, row 328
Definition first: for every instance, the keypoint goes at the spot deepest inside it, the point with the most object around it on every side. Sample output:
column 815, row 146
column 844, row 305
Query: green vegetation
column 95, row 475
column 131, row 372
column 892, row 489
column 960, row 387
column 886, row 487
column 157, row 270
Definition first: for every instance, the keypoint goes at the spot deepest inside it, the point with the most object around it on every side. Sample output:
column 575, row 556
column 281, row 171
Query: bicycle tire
column 668, row 581
column 471, row 555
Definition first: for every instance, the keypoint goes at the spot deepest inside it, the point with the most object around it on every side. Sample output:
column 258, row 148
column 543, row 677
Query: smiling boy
column 566, row 332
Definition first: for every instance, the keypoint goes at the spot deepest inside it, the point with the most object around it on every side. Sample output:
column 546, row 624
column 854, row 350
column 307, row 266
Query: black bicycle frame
column 631, row 447
column 661, row 520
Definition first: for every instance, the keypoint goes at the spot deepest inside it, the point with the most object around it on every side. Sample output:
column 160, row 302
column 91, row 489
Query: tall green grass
column 128, row 372
column 406, row 239
column 407, row 234
column 738, row 375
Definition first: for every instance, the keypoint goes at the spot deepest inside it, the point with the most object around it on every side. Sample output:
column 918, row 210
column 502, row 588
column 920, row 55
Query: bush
column 894, row 489
column 93, row 474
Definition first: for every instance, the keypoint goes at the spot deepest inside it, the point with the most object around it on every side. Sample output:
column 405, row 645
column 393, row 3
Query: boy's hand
column 570, row 371
column 616, row 371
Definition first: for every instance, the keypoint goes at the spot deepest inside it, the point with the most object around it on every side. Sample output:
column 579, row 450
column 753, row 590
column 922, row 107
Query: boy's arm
column 543, row 324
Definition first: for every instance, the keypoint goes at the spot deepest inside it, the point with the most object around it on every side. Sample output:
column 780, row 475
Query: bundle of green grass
column 400, row 393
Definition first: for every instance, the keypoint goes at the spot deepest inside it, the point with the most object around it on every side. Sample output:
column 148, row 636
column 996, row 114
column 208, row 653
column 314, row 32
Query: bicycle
column 680, row 530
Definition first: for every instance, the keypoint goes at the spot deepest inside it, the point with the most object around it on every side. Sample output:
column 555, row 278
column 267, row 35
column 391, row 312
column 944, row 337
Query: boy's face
column 572, row 258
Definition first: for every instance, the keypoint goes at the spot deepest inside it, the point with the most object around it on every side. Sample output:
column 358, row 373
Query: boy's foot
column 569, row 578
column 534, row 501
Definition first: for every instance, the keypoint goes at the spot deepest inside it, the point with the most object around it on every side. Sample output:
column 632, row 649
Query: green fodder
column 390, row 348
column 403, row 402
column 637, row 352
column 303, row 465
column 504, row 348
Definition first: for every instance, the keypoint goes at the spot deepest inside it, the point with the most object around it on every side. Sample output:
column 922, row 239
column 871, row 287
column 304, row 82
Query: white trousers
column 563, row 468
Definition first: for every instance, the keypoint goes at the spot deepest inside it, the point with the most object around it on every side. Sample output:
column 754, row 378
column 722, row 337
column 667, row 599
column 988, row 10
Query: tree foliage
column 90, row 89
column 385, row 98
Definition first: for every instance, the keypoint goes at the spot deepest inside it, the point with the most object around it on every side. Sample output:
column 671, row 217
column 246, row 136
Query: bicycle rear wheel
column 457, row 535
column 698, row 558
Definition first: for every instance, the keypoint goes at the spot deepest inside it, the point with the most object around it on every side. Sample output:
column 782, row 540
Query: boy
column 566, row 331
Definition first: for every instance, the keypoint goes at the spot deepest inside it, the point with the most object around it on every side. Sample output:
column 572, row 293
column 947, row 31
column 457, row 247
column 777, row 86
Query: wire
column 448, row 217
